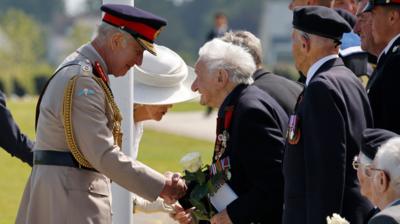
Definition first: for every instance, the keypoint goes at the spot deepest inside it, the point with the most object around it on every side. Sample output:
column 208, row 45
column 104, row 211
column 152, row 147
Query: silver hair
column 322, row 42
column 106, row 30
column 239, row 64
column 247, row 40
column 388, row 159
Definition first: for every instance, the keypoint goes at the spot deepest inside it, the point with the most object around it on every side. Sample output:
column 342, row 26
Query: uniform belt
column 56, row 158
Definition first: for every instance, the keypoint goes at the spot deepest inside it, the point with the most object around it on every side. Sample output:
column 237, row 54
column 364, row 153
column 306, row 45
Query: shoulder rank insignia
column 86, row 68
column 86, row 92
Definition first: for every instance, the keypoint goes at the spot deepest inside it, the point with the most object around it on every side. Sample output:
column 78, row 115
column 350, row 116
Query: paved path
column 190, row 124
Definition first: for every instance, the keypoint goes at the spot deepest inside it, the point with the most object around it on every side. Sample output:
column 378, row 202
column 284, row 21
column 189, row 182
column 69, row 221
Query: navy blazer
column 389, row 215
column 283, row 90
column 255, row 149
column 11, row 138
column 383, row 90
column 318, row 173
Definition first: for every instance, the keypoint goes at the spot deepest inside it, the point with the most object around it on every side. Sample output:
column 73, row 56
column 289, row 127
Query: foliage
column 23, row 56
column 41, row 10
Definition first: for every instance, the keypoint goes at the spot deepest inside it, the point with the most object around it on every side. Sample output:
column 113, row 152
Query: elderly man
column 324, row 133
column 77, row 152
column 385, row 183
column 283, row 90
column 382, row 88
column 363, row 29
column 250, row 131
column 372, row 139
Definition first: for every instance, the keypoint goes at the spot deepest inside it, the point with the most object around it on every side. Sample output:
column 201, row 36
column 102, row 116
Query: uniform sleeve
column 96, row 143
column 11, row 139
column 324, row 134
column 261, row 146
column 389, row 102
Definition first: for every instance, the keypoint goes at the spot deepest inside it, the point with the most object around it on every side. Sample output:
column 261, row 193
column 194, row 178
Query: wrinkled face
column 125, row 54
column 294, row 3
column 205, row 84
column 379, row 26
column 298, row 50
column 348, row 5
column 156, row 112
column 363, row 27
column 364, row 176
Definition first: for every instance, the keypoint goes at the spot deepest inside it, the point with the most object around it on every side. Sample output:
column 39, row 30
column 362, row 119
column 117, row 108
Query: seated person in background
column 159, row 82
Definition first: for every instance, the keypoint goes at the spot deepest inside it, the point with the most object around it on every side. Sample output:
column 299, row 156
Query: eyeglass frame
column 356, row 164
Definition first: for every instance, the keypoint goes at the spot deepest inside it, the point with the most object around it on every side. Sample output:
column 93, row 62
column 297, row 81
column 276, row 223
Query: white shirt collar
column 314, row 68
column 388, row 46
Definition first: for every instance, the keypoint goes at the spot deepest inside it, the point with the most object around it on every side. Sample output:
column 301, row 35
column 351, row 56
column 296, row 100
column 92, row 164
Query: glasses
column 367, row 167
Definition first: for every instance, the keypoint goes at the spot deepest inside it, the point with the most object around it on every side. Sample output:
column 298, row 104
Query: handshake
column 174, row 188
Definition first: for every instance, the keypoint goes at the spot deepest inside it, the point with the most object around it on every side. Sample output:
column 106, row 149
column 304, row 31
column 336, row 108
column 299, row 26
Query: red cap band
column 147, row 32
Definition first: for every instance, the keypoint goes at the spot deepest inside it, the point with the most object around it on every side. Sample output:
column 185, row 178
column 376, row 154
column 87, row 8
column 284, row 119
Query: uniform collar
column 388, row 46
column 314, row 68
column 90, row 53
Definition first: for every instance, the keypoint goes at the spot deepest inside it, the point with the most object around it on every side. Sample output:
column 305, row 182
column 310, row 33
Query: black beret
column 321, row 21
column 142, row 25
column 372, row 3
column 350, row 18
column 372, row 139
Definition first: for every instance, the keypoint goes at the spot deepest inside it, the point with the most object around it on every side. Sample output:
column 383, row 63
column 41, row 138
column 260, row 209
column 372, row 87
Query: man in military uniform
column 77, row 152
column 384, row 83
column 324, row 134
column 11, row 138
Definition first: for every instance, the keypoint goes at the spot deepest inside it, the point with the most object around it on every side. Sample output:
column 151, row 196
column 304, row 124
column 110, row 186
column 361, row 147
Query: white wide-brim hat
column 163, row 79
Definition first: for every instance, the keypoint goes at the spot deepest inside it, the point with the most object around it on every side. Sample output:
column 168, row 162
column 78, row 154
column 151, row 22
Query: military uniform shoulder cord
column 67, row 111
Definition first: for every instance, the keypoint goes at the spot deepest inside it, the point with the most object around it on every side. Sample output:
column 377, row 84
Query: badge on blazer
column 293, row 133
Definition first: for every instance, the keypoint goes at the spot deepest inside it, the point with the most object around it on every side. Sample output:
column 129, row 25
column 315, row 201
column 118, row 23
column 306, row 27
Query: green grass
column 187, row 106
column 159, row 150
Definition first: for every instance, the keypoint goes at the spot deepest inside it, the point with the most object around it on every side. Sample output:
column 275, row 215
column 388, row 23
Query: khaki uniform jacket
column 60, row 194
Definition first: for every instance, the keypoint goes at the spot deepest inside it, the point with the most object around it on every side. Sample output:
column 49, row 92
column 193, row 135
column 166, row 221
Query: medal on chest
column 293, row 133
column 223, row 125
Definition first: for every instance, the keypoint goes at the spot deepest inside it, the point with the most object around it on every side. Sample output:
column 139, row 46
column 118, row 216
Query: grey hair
column 106, row 30
column 239, row 64
column 322, row 42
column 388, row 159
column 247, row 40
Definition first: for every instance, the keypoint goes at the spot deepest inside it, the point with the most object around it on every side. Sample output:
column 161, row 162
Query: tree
column 25, row 51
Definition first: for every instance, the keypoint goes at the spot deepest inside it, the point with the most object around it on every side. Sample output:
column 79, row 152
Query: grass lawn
column 159, row 150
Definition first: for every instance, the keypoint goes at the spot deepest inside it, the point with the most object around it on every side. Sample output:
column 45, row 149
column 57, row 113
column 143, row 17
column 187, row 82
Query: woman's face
column 156, row 112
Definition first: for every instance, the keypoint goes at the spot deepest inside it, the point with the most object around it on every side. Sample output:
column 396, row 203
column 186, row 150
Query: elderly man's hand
column 221, row 218
column 181, row 215
column 174, row 188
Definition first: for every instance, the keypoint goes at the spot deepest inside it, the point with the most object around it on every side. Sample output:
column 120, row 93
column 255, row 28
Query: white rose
column 336, row 219
column 191, row 161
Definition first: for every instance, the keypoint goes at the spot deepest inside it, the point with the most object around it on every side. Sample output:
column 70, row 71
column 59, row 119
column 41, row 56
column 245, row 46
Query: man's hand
column 181, row 215
column 221, row 218
column 174, row 188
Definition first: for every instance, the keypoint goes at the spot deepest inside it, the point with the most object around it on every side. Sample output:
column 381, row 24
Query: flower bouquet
column 336, row 219
column 200, row 186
